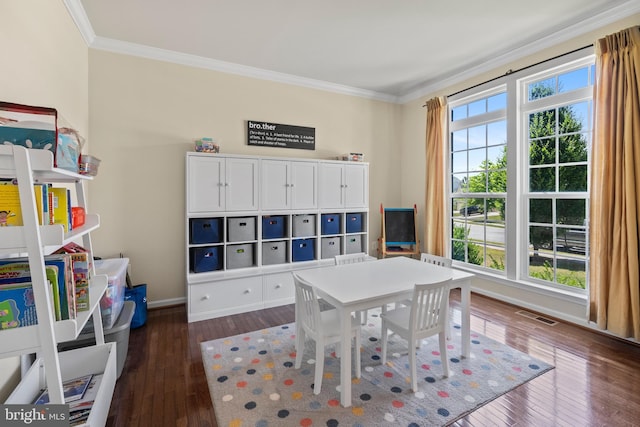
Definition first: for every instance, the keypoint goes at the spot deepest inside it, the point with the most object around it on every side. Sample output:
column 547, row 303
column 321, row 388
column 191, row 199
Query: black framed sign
column 279, row 135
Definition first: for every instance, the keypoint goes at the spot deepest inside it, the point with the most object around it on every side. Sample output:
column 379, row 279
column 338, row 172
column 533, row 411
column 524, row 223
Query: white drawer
column 225, row 297
column 278, row 287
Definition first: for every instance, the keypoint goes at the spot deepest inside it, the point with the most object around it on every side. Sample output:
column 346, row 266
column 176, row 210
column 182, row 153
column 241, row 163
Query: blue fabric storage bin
column 303, row 250
column 273, row 227
column 354, row 223
column 205, row 259
column 330, row 224
column 205, row 230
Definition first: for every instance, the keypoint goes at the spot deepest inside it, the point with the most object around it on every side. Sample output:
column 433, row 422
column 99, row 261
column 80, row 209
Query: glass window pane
column 541, row 237
column 497, row 155
column 457, row 204
column 573, row 80
column 571, row 211
column 496, row 257
column 573, row 148
column 540, row 211
column 574, row 117
column 477, row 159
column 477, row 107
column 572, row 240
column 573, row 178
column 497, row 102
column 459, row 140
column 542, row 151
column 458, row 113
column 542, row 88
column 459, row 183
column 572, row 272
column 498, row 181
column 542, row 123
column 496, row 214
column 497, row 133
column 459, row 161
column 478, row 136
column 542, row 179
column 477, row 183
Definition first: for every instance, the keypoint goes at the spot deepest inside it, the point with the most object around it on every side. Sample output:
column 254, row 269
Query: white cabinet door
column 303, row 185
column 241, row 184
column 356, row 187
column 288, row 185
column 331, row 185
column 205, row 190
column 344, row 185
column 274, row 181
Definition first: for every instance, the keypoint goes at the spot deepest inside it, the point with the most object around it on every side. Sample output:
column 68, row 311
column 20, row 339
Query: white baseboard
column 166, row 302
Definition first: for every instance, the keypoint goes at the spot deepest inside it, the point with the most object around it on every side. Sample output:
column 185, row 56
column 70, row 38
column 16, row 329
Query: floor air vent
column 537, row 317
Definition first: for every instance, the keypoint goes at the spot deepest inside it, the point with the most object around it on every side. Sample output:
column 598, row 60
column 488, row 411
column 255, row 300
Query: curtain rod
column 518, row 70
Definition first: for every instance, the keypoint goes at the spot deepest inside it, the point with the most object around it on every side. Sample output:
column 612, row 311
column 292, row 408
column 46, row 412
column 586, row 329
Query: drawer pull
column 247, row 291
column 205, row 297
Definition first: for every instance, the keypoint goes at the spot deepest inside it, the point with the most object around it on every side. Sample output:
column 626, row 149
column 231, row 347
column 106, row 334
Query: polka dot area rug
column 253, row 382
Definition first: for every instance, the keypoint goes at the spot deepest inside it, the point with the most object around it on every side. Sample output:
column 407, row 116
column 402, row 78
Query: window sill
column 577, row 296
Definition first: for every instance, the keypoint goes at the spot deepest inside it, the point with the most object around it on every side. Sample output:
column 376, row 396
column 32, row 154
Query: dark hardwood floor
column 596, row 380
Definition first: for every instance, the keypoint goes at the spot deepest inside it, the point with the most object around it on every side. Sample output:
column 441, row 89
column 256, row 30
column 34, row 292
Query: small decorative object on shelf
column 207, row 145
column 89, row 165
column 352, row 157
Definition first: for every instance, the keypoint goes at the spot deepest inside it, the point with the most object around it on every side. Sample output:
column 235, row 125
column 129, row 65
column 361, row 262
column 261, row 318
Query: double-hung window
column 519, row 174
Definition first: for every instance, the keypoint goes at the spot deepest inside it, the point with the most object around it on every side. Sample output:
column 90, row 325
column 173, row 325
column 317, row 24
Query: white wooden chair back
column 308, row 308
column 350, row 258
column 435, row 259
column 430, row 309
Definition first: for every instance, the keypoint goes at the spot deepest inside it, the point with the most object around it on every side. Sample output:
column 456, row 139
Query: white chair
column 428, row 315
column 351, row 259
column 431, row 259
column 435, row 259
column 321, row 326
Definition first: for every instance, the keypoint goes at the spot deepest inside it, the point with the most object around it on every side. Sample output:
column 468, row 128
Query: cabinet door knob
column 278, row 286
column 205, row 297
column 247, row 291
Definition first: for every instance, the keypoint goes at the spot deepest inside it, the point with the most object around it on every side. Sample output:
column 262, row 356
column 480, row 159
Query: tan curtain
column 435, row 206
column 615, row 186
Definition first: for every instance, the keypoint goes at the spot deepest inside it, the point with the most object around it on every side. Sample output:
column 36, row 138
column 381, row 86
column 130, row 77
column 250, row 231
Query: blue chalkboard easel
column 399, row 231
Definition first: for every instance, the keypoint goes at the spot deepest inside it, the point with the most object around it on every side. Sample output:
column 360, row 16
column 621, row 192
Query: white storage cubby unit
column 240, row 259
column 52, row 367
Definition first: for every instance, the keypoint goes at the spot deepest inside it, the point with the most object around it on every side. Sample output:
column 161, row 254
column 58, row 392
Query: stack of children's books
column 67, row 274
column 79, row 393
column 53, row 205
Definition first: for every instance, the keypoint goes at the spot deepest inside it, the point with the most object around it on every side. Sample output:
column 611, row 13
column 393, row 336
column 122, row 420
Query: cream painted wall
column 413, row 125
column 145, row 115
column 44, row 63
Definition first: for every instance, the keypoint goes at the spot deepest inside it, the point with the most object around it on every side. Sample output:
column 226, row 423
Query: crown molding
column 81, row 20
column 117, row 46
column 577, row 29
column 591, row 23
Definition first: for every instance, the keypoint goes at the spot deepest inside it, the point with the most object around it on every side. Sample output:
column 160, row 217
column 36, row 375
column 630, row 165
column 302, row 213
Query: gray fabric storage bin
column 329, row 247
column 304, row 225
column 354, row 244
column 274, row 253
column 240, row 256
column 241, row 229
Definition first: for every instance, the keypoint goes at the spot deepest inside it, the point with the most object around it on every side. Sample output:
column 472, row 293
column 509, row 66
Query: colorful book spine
column 10, row 209
column 61, row 207
column 17, row 306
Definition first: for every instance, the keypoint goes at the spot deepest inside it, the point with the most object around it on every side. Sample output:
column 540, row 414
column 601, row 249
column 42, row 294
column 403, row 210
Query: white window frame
column 516, row 215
